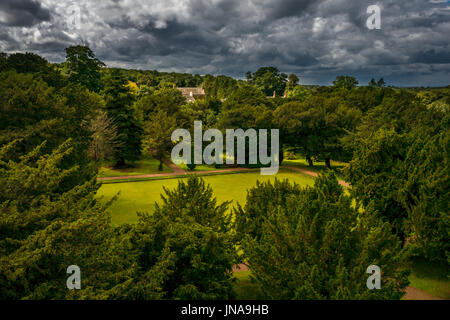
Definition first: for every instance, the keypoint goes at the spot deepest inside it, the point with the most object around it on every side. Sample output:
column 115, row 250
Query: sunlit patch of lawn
column 141, row 196
column 430, row 277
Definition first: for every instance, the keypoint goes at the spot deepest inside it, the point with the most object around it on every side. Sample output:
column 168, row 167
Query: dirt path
column 177, row 171
column 417, row 294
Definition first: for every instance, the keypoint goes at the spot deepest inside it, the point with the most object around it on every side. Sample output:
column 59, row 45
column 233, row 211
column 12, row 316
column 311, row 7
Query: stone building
column 192, row 93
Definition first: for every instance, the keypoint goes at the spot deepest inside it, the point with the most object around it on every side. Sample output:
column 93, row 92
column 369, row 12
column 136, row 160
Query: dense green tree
column 247, row 95
column 426, row 197
column 312, row 243
column 345, row 82
column 362, row 98
column 292, row 81
column 27, row 62
column 205, row 110
column 148, row 80
column 269, row 80
column 158, row 130
column 220, row 87
column 401, row 111
column 34, row 112
column 315, row 127
column 83, row 67
column 44, row 230
column 188, row 241
column 298, row 93
column 34, row 64
column 400, row 166
column 381, row 83
column 105, row 138
column 405, row 177
column 118, row 100
column 168, row 100
column 3, row 61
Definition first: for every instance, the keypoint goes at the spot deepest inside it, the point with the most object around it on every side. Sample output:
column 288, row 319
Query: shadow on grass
column 147, row 165
column 318, row 166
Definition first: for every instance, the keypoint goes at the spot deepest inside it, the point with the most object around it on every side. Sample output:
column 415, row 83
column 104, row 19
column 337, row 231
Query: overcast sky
column 315, row 39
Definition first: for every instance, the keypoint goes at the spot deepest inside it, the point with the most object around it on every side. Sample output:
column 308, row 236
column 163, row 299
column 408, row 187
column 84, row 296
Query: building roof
column 191, row 93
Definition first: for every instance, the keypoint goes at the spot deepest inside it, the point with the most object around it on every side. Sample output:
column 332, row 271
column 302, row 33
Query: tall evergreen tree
column 44, row 230
column 84, row 67
column 184, row 250
column 118, row 100
column 312, row 243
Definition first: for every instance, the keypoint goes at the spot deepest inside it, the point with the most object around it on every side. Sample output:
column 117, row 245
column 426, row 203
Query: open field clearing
column 141, row 196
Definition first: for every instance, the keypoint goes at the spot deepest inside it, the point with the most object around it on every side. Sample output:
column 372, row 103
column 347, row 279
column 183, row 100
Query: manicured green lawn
column 144, row 166
column 141, row 196
column 430, row 277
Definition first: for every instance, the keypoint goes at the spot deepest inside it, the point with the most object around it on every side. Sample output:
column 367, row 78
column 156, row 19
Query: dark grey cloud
column 316, row 39
column 290, row 8
column 23, row 13
column 431, row 57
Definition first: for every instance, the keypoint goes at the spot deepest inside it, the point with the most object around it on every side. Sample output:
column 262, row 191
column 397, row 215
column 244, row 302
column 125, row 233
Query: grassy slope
column 144, row 166
column 141, row 196
column 430, row 277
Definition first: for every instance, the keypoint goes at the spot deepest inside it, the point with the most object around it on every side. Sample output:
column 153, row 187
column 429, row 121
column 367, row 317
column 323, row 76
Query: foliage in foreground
column 401, row 168
column 313, row 243
column 43, row 231
column 183, row 251
column 186, row 244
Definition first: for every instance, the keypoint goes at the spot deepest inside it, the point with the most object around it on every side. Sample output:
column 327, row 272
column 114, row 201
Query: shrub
column 313, row 243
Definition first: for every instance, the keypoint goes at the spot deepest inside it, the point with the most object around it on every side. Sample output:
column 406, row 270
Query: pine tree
column 43, row 231
column 184, row 250
column 313, row 243
column 118, row 102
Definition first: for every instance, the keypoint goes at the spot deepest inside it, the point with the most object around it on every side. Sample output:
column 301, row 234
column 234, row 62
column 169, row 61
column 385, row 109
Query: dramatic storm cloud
column 316, row 39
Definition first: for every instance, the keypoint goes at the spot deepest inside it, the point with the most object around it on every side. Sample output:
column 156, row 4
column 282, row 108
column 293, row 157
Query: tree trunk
column 310, row 161
column 120, row 163
column 281, row 155
column 328, row 163
column 160, row 167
